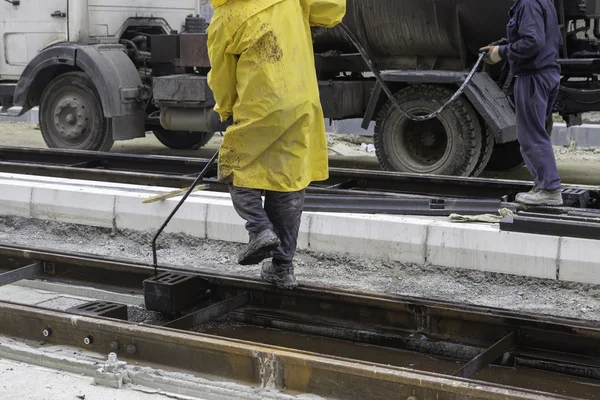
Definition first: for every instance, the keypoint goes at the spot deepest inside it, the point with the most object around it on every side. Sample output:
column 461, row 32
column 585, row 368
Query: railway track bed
column 109, row 190
column 328, row 342
column 180, row 172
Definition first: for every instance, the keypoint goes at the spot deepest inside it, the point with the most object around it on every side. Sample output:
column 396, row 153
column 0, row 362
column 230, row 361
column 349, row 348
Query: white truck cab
column 87, row 64
column 27, row 27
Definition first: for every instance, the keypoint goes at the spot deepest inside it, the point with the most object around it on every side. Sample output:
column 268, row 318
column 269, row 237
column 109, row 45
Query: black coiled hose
column 389, row 93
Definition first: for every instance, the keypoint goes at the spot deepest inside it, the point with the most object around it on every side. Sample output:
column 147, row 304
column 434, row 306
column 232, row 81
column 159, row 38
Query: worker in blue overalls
column 534, row 39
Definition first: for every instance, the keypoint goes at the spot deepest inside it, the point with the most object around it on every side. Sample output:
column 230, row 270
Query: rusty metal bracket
column 401, row 206
column 28, row 272
column 211, row 312
column 552, row 225
column 490, row 355
column 49, row 268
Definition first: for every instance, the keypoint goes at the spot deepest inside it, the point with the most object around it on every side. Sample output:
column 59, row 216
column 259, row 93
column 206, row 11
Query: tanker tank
column 396, row 31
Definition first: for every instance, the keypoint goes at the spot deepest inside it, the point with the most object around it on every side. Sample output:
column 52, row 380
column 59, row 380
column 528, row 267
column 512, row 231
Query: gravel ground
column 333, row 270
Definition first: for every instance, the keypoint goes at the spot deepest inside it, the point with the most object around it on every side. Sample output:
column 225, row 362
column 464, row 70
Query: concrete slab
column 29, row 117
column 82, row 292
column 579, row 261
column 406, row 239
column 21, row 381
column 25, row 295
column 485, row 248
column 74, row 372
column 15, row 198
column 62, row 302
column 389, row 237
column 223, row 223
column 131, row 213
column 67, row 203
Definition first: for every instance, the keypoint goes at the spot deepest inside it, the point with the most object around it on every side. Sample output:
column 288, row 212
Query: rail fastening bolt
column 88, row 340
column 47, row 332
column 114, row 346
column 131, row 349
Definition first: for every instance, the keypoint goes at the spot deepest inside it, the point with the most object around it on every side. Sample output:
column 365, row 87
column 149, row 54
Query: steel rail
column 367, row 340
column 257, row 365
column 180, row 171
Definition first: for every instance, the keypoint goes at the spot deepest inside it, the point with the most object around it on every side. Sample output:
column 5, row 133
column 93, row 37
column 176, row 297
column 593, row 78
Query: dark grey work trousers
column 282, row 212
column 534, row 97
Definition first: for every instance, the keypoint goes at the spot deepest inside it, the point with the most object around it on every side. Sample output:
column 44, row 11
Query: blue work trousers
column 534, row 97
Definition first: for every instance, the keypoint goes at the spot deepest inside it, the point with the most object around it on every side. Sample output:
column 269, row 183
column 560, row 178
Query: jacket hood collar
column 217, row 3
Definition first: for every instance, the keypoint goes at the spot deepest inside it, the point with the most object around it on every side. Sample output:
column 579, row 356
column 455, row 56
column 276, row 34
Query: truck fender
column 115, row 76
column 483, row 93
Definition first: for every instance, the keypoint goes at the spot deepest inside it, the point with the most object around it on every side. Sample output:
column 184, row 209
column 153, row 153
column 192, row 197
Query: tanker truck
column 101, row 71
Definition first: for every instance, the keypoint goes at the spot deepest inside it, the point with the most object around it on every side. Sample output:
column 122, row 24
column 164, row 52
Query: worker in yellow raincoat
column 263, row 75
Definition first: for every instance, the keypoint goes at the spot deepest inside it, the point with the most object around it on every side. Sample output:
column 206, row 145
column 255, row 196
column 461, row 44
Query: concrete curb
column 29, row 117
column 427, row 241
column 586, row 135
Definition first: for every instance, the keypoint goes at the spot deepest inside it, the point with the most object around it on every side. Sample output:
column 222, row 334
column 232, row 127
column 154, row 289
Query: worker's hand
column 492, row 54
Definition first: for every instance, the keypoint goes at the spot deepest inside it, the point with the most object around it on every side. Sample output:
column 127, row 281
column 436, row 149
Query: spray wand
column 189, row 191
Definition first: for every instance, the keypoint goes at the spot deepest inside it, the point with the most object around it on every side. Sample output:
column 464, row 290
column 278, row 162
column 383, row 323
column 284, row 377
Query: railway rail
column 384, row 192
column 332, row 343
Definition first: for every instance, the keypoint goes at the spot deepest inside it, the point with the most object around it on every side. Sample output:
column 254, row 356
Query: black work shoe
column 260, row 246
column 280, row 275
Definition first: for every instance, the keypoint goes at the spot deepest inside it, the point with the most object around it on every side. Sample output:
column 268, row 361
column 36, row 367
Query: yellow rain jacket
column 263, row 72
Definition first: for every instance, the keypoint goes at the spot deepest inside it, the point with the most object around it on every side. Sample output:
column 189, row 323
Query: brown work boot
column 280, row 275
column 260, row 246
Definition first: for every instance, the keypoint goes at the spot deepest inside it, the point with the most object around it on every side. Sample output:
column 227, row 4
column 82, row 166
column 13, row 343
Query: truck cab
column 29, row 27
column 81, row 62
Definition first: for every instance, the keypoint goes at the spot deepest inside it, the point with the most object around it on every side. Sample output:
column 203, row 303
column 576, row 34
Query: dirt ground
column 577, row 166
column 331, row 270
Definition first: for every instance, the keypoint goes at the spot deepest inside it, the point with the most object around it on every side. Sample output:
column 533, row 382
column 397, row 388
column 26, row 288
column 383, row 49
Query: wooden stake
column 172, row 194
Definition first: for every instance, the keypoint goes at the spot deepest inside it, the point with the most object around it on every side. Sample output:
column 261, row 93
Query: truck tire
column 450, row 144
column 507, row 156
column 487, row 149
column 182, row 140
column 71, row 115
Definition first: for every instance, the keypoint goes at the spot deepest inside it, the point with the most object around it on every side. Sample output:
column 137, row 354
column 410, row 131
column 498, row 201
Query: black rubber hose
column 132, row 46
column 389, row 93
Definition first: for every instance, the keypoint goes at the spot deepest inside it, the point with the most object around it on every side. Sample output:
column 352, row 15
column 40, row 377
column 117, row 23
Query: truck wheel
column 508, row 155
column 182, row 140
column 447, row 145
column 487, row 149
column 71, row 115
